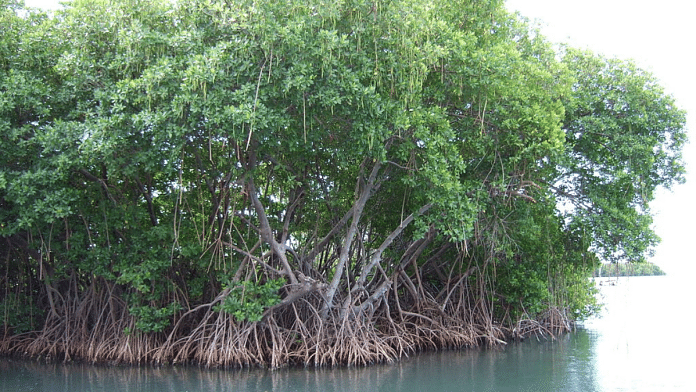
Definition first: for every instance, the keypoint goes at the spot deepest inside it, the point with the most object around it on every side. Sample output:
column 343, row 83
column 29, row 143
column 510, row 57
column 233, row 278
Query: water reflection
column 639, row 342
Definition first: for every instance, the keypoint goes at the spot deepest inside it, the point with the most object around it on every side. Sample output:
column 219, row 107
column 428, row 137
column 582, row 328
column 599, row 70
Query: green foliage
column 623, row 139
column 578, row 295
column 247, row 300
column 152, row 318
column 523, row 289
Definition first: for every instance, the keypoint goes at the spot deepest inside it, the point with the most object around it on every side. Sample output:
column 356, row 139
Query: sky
column 657, row 35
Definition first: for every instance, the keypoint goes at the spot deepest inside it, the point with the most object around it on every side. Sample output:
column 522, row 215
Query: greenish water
column 630, row 348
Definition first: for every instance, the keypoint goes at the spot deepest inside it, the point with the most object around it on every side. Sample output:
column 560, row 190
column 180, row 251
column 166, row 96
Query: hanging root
column 90, row 327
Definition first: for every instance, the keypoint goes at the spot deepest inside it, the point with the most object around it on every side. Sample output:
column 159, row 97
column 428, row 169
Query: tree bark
column 358, row 207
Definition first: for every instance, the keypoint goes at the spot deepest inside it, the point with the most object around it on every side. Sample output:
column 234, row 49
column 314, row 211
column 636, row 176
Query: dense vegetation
column 628, row 269
column 246, row 182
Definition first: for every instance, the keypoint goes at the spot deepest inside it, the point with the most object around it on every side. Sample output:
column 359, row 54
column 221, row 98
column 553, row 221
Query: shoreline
column 363, row 350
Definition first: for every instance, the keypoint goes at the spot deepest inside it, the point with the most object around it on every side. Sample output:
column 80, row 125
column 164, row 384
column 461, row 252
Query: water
column 641, row 343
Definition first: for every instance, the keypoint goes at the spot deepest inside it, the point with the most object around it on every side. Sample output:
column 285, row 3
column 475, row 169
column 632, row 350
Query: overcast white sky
column 658, row 35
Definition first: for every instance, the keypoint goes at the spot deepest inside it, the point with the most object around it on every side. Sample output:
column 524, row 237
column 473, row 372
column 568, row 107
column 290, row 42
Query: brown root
column 93, row 326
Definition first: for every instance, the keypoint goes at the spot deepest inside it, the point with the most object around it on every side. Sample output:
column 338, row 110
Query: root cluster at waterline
column 96, row 327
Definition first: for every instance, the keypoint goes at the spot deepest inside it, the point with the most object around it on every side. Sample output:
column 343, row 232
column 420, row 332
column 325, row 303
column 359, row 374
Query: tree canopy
column 262, row 182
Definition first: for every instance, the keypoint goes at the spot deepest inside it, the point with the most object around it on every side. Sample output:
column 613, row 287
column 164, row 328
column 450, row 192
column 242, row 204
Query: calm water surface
column 641, row 343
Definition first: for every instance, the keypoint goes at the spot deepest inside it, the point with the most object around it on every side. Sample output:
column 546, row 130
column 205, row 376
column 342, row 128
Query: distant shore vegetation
column 629, row 269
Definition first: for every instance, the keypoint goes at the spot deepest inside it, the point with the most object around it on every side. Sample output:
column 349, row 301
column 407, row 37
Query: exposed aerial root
column 96, row 327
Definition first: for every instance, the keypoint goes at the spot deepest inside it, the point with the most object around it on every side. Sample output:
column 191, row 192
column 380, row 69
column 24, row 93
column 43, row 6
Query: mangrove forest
column 235, row 183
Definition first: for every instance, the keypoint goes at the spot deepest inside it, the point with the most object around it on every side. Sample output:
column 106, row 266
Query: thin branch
column 377, row 256
column 254, row 258
column 350, row 235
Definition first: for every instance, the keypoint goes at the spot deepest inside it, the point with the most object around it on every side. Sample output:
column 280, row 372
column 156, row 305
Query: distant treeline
column 629, row 269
